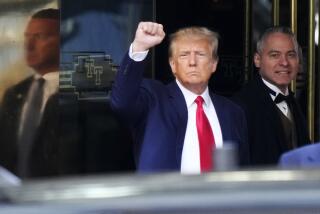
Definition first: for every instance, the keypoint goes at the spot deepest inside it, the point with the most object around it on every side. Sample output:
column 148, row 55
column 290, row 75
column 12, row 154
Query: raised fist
column 148, row 35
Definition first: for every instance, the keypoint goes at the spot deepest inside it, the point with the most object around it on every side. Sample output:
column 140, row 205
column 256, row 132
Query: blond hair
column 200, row 32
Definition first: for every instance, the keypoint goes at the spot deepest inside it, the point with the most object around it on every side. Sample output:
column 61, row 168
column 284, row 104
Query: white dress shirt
column 51, row 86
column 190, row 160
column 283, row 106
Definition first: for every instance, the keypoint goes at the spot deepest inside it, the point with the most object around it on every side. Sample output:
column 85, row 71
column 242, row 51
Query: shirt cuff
column 137, row 56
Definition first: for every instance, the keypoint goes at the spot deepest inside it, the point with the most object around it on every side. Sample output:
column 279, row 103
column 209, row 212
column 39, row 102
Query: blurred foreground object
column 241, row 192
column 307, row 156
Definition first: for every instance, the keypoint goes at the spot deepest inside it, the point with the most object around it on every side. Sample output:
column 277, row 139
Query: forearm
column 125, row 90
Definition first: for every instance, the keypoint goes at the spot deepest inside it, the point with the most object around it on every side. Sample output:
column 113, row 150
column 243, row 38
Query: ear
column 172, row 66
column 257, row 60
column 214, row 65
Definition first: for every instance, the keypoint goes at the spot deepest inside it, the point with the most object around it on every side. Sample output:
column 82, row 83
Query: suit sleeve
column 125, row 95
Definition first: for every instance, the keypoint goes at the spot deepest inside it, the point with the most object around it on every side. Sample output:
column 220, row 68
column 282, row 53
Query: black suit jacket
column 56, row 148
column 10, row 111
column 266, row 133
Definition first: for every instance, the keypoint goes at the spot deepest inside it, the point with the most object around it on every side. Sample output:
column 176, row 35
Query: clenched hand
column 148, row 35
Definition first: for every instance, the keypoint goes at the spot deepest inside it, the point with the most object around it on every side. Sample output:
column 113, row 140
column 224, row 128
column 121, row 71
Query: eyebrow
column 278, row 51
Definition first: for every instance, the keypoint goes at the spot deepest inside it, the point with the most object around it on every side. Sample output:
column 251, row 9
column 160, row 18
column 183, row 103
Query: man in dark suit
column 29, row 120
column 275, row 121
column 165, row 119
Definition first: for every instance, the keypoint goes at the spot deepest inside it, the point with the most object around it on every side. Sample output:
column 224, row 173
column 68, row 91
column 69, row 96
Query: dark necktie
column 29, row 125
column 205, row 136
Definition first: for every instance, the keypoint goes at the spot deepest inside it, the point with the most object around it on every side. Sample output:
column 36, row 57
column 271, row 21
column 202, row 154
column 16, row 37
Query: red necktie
column 205, row 136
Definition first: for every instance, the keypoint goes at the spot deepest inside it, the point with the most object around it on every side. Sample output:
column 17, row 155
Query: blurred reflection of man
column 29, row 117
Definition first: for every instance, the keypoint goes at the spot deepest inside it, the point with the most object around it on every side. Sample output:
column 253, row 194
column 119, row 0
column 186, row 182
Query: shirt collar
column 190, row 97
column 274, row 88
column 51, row 76
column 48, row 76
column 52, row 79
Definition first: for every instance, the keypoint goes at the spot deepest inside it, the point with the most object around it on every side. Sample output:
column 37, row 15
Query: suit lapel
column 222, row 116
column 300, row 123
column 19, row 96
column 21, row 92
column 266, row 102
column 180, row 109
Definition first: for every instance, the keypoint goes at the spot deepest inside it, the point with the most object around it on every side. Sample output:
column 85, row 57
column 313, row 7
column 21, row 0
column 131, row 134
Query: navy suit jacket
column 157, row 115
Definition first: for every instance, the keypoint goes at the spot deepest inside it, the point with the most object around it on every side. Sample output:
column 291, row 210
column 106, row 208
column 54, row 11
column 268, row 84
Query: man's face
column 42, row 41
column 279, row 61
column 192, row 63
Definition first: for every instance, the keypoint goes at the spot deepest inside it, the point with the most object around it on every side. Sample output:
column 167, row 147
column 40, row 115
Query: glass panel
column 77, row 132
column 95, row 35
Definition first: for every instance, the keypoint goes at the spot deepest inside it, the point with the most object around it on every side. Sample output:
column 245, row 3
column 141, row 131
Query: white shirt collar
column 52, row 81
column 48, row 76
column 190, row 97
column 274, row 88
